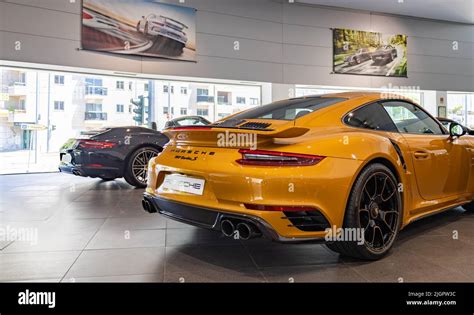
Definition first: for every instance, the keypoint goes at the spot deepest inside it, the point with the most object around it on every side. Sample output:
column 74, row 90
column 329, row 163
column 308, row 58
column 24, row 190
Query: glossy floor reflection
column 95, row 231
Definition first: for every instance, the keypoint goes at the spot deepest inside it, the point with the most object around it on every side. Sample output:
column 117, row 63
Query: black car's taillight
column 274, row 158
column 93, row 144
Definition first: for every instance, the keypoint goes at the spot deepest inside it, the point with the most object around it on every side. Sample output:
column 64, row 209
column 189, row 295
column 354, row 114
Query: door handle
column 421, row 155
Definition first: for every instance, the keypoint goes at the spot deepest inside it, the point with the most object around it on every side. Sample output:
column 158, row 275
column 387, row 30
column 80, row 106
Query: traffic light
column 139, row 109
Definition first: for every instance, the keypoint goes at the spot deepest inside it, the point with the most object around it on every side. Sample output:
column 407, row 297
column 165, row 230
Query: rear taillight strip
column 93, row 144
column 278, row 208
column 274, row 158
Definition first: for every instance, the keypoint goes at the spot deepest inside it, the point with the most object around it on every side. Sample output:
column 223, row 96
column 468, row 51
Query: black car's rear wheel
column 375, row 207
column 469, row 206
column 136, row 169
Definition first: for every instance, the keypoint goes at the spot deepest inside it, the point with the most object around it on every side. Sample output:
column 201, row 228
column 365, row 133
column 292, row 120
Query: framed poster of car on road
column 139, row 27
column 369, row 53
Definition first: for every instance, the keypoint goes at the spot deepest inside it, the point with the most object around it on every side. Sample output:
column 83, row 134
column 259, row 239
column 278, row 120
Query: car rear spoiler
column 211, row 135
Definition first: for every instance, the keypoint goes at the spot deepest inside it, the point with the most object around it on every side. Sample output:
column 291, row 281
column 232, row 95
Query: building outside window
column 94, row 112
column 94, row 102
column 240, row 100
column 22, row 104
column 120, row 85
column 59, row 79
column 94, row 87
column 202, row 95
column 460, row 108
column 22, row 78
column 166, row 110
column 146, row 87
column 224, row 98
column 202, row 112
column 254, row 101
column 165, row 89
column 59, row 105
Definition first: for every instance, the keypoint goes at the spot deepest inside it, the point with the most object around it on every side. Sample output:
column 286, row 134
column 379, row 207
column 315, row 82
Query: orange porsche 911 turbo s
column 313, row 168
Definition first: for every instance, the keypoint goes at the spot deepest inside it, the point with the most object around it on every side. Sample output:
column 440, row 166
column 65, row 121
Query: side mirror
column 456, row 130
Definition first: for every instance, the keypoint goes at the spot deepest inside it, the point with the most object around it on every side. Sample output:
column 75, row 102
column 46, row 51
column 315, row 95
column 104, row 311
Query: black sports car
column 446, row 122
column 111, row 153
column 386, row 52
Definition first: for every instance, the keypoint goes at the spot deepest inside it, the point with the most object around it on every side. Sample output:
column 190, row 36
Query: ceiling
column 461, row 11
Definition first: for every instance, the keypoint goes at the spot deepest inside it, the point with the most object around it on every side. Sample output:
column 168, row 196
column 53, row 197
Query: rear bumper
column 102, row 172
column 211, row 219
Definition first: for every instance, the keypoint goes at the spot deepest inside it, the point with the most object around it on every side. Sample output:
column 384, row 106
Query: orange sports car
column 349, row 169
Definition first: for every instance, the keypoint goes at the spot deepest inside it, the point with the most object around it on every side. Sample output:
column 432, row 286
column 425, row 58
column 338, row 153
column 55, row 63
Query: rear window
column 289, row 109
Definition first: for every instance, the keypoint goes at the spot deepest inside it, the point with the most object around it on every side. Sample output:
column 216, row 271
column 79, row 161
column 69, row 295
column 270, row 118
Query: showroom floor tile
column 89, row 230
column 37, row 265
column 118, row 262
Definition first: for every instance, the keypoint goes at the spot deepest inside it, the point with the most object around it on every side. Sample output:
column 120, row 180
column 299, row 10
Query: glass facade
column 41, row 110
column 461, row 108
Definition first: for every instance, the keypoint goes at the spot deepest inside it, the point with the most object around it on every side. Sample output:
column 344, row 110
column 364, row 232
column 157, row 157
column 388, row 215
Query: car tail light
column 278, row 208
column 86, row 16
column 93, row 144
column 94, row 165
column 273, row 158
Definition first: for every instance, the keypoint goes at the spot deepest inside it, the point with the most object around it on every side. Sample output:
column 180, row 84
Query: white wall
column 279, row 43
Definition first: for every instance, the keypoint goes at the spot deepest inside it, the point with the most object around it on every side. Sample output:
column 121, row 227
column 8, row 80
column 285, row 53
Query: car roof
column 359, row 94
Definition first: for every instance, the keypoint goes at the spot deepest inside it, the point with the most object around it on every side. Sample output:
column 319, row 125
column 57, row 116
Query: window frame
column 443, row 129
column 120, row 85
column 59, row 109
column 117, row 106
column 241, row 98
column 60, row 78
column 202, row 114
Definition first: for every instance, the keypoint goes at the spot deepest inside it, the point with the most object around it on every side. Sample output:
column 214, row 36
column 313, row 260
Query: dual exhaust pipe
column 236, row 228
column 148, row 206
column 239, row 229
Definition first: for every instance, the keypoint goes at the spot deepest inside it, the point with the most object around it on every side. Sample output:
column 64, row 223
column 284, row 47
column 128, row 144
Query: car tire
column 136, row 166
column 469, row 206
column 375, row 188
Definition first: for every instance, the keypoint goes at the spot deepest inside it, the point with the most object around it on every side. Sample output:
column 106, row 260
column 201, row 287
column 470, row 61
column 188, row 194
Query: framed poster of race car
column 139, row 27
column 369, row 53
